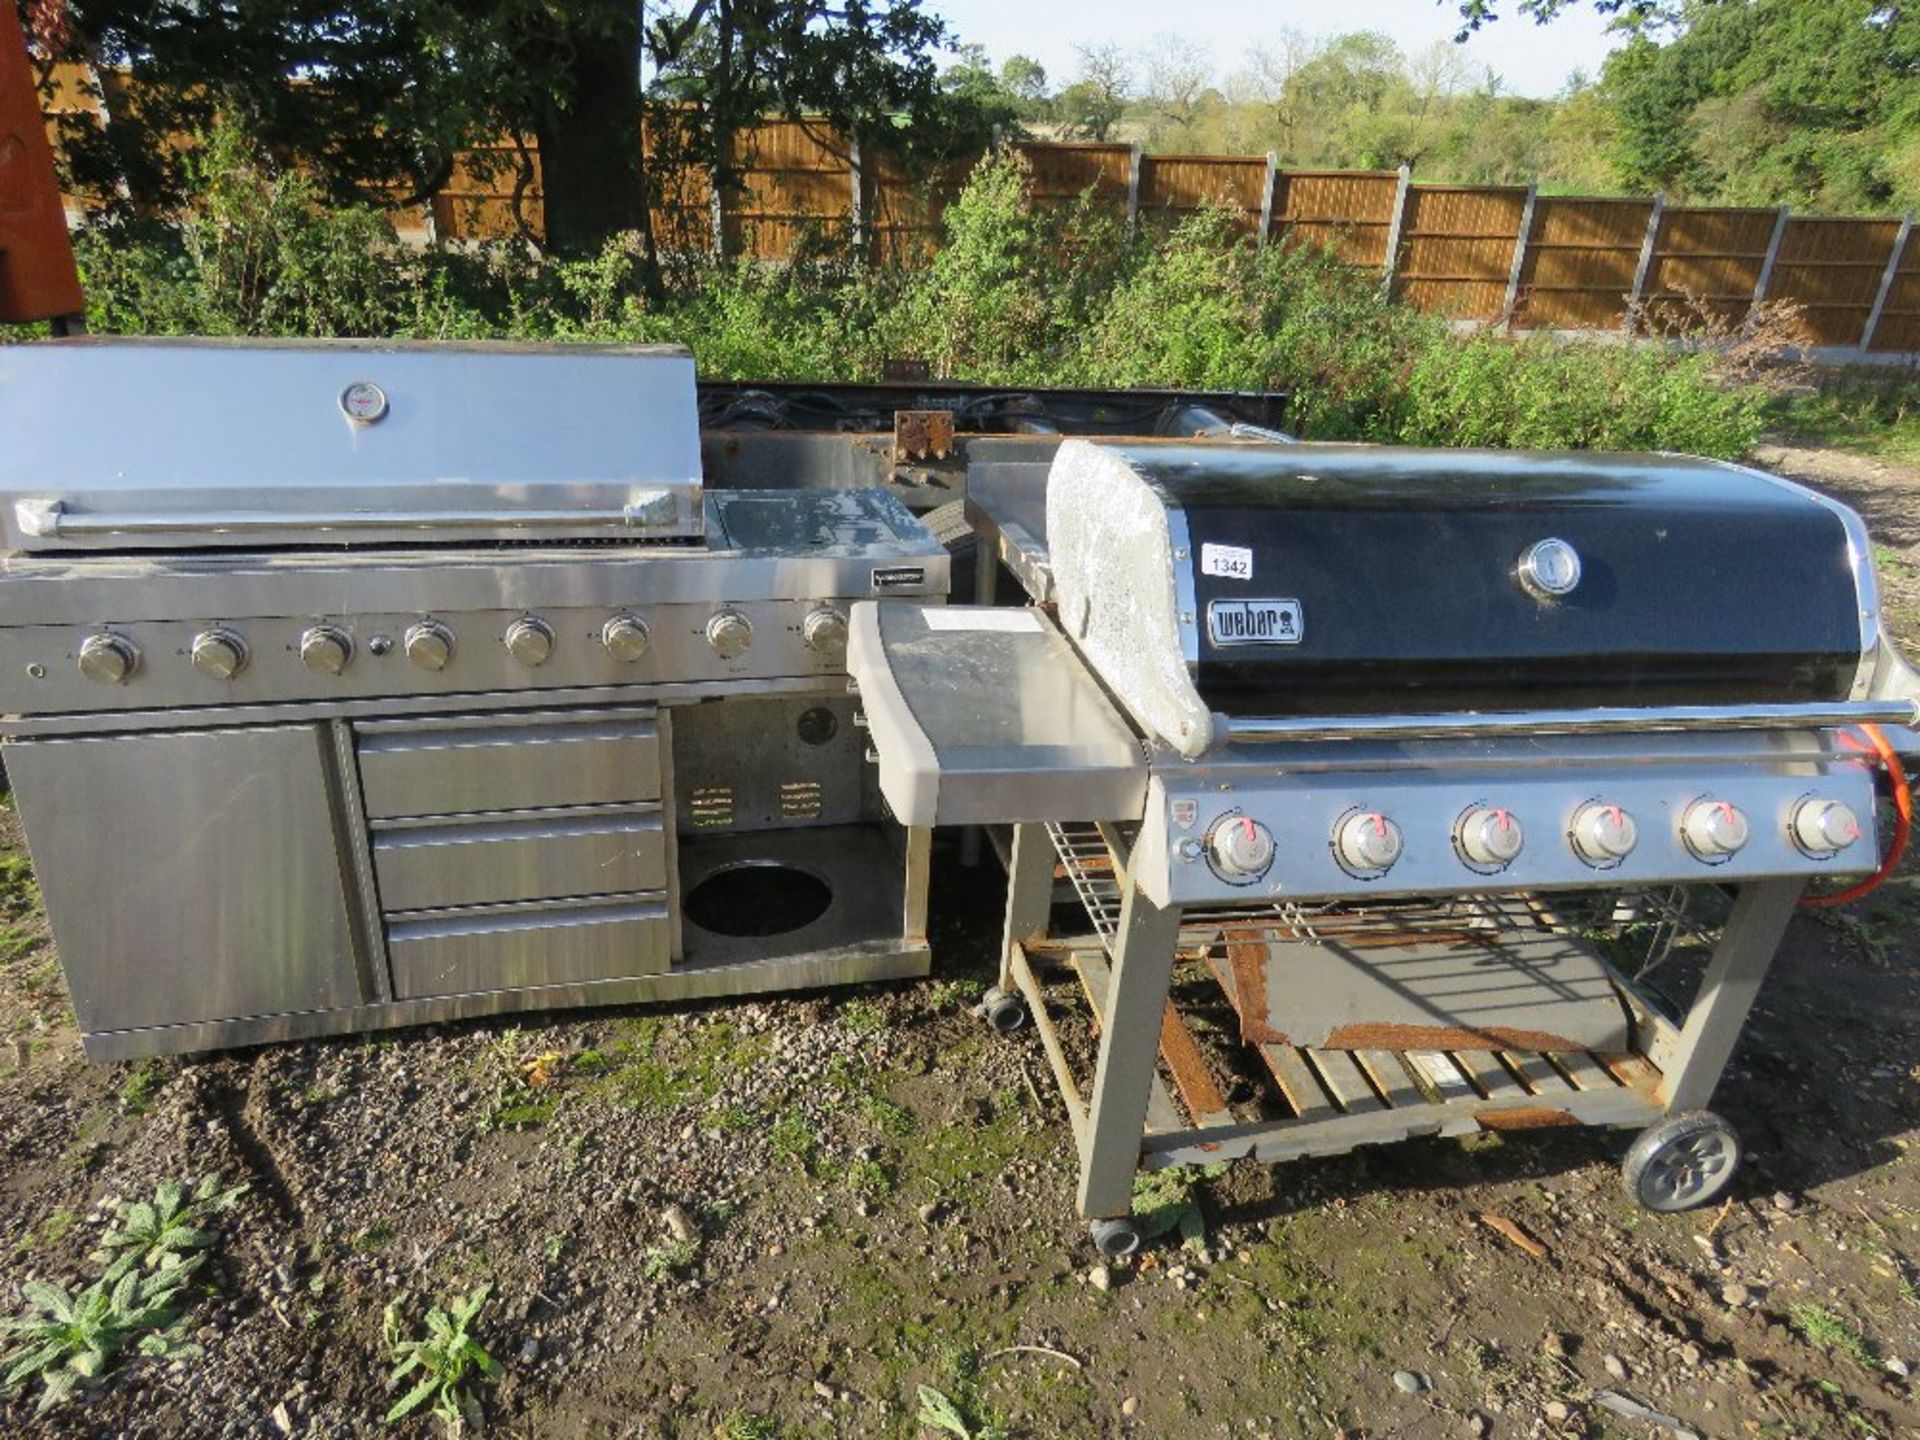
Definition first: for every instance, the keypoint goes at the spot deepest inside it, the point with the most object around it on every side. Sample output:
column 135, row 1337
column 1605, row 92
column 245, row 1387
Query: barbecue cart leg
column 1712, row 1025
column 1129, row 1051
column 1029, row 898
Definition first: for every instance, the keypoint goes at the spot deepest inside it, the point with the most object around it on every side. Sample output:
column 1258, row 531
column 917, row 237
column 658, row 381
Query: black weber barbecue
column 1404, row 762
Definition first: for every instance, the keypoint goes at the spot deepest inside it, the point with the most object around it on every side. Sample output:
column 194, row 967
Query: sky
column 1530, row 59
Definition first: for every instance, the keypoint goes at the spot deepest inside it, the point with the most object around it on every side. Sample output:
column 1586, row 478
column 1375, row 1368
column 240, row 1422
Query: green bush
column 1018, row 294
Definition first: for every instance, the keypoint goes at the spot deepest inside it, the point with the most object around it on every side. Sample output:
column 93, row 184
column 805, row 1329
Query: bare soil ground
column 882, row 1195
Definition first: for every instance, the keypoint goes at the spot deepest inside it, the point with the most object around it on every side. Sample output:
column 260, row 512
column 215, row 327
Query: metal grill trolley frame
column 1155, row 1097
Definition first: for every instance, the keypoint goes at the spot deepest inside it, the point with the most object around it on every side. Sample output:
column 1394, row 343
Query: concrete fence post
column 1887, row 277
column 1133, row 189
column 856, row 200
column 1774, row 241
column 1266, row 195
column 1514, row 271
column 1645, row 267
column 1402, row 192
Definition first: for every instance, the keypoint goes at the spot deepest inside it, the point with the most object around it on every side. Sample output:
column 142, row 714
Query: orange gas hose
column 1902, row 826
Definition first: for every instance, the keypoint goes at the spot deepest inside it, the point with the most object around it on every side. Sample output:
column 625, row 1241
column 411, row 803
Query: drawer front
column 522, row 855
column 512, row 947
column 529, row 762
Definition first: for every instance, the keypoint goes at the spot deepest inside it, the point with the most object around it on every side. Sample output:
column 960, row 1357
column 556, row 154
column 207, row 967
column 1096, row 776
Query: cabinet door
column 190, row 876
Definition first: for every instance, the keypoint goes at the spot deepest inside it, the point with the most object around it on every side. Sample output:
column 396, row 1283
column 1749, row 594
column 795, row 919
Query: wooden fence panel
column 1581, row 256
column 796, row 181
column 477, row 200
column 1456, row 249
column 1457, row 241
column 1831, row 270
column 1173, row 187
column 902, row 210
column 1900, row 321
column 1350, row 212
column 1706, row 265
column 1063, row 171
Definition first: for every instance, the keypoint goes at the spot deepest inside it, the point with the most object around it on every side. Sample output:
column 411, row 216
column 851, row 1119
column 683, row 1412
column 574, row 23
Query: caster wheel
column 1003, row 1010
column 1684, row 1161
column 1115, row 1239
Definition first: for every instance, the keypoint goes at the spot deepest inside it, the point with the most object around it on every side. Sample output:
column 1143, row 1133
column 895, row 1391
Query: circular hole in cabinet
column 757, row 898
column 817, row 726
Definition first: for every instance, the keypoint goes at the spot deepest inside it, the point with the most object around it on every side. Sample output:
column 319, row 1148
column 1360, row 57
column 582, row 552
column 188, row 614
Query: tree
column 1815, row 103
column 1024, row 79
column 1094, row 103
column 1178, row 75
column 364, row 95
column 1476, row 13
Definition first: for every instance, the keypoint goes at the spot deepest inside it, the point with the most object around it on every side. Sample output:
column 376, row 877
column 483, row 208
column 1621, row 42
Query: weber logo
column 1255, row 622
column 898, row 577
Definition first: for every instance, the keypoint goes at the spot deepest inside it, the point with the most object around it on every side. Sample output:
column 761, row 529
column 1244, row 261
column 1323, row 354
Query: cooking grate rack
column 1639, row 931
column 1216, row 1096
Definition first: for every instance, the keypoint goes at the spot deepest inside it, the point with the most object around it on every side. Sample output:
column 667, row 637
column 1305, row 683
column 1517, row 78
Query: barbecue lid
column 1304, row 580
column 182, row 444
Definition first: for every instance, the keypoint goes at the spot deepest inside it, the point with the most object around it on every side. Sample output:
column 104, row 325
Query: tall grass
column 1015, row 295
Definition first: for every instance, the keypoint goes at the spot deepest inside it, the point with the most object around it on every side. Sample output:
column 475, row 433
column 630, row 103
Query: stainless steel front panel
column 40, row 674
column 533, row 760
column 507, row 947
column 1542, row 787
column 767, row 763
column 191, row 876
column 521, row 855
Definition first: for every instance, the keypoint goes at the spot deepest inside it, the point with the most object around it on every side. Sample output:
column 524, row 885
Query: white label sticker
column 967, row 617
column 1234, row 562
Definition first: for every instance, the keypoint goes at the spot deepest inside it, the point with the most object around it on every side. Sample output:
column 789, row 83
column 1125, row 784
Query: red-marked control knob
column 1489, row 838
column 1714, row 830
column 1366, row 843
column 1823, row 827
column 1602, row 834
column 1240, row 848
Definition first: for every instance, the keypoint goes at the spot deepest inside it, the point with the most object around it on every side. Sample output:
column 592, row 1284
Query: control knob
column 1713, row 829
column 1823, row 827
column 626, row 638
column 325, row 649
column 1240, row 848
column 108, row 658
column 1366, row 843
column 1489, row 838
column 219, row 653
column 429, row 644
column 529, row 640
column 1602, row 835
column 825, row 632
column 729, row 633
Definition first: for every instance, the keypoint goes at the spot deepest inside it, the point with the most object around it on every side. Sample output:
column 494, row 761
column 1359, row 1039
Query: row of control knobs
column 1368, row 844
column 112, row 658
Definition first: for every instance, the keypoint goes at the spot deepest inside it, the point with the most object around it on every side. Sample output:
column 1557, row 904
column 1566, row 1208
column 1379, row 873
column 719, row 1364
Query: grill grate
column 1640, row 930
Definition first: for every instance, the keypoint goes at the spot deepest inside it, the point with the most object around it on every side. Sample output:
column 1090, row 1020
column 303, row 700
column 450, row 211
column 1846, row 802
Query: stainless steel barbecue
column 352, row 685
column 1403, row 766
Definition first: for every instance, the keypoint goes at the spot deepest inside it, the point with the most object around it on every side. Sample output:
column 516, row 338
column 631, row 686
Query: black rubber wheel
column 1003, row 1010
column 1685, row 1161
column 1115, row 1239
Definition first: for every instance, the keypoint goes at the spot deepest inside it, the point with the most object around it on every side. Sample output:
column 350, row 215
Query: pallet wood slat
column 1299, row 1084
column 1344, row 1081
